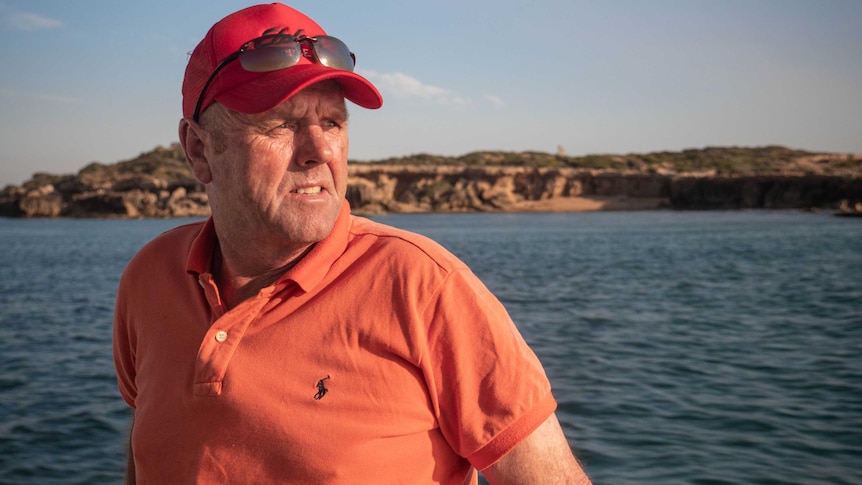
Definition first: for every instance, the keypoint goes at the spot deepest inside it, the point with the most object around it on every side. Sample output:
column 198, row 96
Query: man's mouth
column 309, row 190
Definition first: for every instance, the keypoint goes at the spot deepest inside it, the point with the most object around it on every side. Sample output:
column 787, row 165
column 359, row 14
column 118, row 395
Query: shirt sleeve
column 489, row 388
column 124, row 347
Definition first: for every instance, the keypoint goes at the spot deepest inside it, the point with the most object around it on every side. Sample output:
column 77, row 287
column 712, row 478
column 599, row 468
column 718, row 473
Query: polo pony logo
column 321, row 388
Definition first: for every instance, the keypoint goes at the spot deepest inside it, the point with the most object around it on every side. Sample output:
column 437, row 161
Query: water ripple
column 683, row 348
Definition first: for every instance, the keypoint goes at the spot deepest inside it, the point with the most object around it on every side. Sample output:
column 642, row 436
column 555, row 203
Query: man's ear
column 192, row 137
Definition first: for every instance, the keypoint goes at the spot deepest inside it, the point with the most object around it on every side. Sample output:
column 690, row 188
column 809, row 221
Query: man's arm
column 130, row 459
column 544, row 457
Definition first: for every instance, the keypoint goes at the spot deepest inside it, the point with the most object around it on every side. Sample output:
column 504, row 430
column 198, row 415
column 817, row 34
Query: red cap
column 256, row 92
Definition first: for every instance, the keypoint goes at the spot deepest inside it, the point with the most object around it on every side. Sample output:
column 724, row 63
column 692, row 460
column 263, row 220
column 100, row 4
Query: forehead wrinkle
column 306, row 105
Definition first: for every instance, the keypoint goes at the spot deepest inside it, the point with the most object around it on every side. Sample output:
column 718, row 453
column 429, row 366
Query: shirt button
column 221, row 336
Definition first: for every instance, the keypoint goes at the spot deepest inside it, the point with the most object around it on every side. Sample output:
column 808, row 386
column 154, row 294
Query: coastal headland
column 159, row 184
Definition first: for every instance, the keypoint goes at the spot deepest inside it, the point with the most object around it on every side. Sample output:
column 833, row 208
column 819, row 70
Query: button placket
column 219, row 345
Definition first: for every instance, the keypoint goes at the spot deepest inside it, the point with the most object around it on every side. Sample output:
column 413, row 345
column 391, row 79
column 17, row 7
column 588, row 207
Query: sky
column 99, row 80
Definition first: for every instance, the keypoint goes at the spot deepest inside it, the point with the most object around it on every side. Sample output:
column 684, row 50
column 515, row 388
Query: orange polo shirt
column 378, row 358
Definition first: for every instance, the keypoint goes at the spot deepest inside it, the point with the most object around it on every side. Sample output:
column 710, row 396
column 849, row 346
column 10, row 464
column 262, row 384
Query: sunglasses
column 272, row 52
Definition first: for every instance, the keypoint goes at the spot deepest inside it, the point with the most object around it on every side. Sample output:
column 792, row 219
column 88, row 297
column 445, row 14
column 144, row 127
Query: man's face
column 281, row 176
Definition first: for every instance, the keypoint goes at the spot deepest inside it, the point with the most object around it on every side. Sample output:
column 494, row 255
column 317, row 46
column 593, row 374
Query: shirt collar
column 201, row 252
column 316, row 264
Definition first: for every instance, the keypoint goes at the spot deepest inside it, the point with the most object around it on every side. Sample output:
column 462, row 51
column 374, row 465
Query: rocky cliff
column 159, row 184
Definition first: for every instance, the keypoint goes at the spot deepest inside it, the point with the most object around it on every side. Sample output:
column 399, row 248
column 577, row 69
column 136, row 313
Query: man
column 285, row 340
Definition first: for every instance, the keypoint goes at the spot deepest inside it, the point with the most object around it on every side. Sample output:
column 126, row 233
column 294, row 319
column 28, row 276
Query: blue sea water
column 683, row 347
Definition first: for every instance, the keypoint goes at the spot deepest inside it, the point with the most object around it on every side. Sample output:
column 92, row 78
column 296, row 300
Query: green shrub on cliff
column 725, row 160
column 721, row 160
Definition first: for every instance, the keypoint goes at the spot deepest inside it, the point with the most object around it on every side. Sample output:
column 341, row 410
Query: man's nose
column 313, row 147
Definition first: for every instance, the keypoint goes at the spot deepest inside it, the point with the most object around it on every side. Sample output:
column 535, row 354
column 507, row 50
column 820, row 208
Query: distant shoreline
column 158, row 184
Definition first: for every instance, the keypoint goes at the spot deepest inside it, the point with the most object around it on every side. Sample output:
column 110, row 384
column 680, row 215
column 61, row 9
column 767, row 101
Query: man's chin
column 310, row 226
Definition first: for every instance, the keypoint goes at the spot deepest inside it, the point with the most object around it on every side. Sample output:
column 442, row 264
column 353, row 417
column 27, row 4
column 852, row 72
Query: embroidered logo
column 275, row 36
column 321, row 388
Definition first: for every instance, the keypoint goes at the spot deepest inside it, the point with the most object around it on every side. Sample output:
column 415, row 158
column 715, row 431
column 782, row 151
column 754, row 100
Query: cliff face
column 159, row 184
column 156, row 184
column 455, row 189
column 765, row 192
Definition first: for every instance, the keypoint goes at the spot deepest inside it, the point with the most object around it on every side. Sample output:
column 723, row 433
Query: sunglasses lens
column 270, row 58
column 333, row 53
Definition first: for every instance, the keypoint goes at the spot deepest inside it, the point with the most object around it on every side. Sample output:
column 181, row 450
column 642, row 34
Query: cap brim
column 273, row 88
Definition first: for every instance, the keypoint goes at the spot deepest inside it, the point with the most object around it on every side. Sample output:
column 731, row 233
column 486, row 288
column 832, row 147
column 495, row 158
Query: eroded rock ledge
column 158, row 184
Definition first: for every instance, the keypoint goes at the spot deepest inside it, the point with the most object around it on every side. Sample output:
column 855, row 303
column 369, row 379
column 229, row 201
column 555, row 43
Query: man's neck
column 241, row 274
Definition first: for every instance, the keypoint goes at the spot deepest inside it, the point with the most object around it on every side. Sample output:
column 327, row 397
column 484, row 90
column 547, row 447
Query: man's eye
column 288, row 125
column 332, row 124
